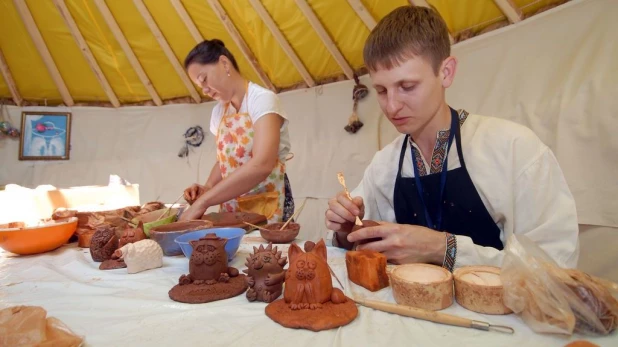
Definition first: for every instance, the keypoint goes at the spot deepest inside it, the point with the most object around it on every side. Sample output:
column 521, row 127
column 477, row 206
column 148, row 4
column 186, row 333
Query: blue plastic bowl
column 233, row 236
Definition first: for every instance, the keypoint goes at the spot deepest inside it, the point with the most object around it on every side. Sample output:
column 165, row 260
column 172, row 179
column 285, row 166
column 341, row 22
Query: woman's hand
column 194, row 192
column 195, row 211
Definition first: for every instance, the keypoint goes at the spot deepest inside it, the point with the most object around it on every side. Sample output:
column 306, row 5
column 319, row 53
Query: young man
column 454, row 186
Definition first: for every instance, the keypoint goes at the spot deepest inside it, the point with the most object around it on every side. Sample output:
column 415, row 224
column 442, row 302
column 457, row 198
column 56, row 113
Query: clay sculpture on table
column 140, row 256
column 367, row 269
column 132, row 235
column 309, row 299
column 129, row 235
column 265, row 273
column 209, row 277
column 104, row 243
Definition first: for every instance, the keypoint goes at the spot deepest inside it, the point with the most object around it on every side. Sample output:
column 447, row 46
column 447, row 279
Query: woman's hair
column 208, row 52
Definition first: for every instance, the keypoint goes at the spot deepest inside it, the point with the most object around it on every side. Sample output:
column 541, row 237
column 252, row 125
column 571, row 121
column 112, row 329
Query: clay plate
column 202, row 293
column 330, row 316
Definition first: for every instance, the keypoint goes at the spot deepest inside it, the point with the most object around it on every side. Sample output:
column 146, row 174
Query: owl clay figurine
column 265, row 273
column 308, row 283
column 209, row 277
column 208, row 263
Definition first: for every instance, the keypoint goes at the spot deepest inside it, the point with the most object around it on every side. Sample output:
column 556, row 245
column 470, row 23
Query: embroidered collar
column 439, row 150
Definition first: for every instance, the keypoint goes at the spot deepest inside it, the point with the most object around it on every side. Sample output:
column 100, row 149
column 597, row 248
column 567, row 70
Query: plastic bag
column 550, row 299
column 28, row 326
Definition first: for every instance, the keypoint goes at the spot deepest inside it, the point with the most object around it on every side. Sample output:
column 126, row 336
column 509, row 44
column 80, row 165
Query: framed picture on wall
column 45, row 136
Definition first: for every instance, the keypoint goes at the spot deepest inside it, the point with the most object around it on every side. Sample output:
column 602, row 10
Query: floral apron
column 234, row 149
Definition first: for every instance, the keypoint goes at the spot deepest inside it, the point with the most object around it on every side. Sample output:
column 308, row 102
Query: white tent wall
column 553, row 73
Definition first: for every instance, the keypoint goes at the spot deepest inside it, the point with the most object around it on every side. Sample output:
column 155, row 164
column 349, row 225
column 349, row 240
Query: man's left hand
column 403, row 243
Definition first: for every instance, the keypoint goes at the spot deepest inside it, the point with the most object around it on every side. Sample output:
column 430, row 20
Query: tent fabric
column 340, row 21
column 574, row 116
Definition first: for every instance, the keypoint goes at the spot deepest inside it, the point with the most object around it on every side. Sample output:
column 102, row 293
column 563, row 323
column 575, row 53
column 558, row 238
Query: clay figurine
column 140, row 256
column 265, row 273
column 103, row 244
column 132, row 235
column 309, row 299
column 129, row 235
column 209, row 277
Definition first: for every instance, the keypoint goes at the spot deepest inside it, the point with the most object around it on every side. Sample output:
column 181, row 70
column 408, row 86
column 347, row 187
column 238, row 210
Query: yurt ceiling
column 122, row 52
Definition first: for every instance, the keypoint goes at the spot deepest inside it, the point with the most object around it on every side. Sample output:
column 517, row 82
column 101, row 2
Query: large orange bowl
column 37, row 239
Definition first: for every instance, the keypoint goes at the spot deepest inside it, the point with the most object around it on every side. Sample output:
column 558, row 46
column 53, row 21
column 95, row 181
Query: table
column 113, row 308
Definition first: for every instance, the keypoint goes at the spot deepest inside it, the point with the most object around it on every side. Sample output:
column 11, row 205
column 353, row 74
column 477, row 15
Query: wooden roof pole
column 231, row 29
column 167, row 49
column 83, row 47
column 126, row 48
column 39, row 43
column 8, row 77
column 328, row 42
column 272, row 26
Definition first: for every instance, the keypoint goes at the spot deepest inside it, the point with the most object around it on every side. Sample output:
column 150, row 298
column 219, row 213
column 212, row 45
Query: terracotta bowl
column 166, row 234
column 37, row 239
column 274, row 235
column 150, row 219
column 235, row 220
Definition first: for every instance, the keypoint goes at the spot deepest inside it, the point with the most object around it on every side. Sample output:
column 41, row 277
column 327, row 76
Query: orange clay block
column 367, row 269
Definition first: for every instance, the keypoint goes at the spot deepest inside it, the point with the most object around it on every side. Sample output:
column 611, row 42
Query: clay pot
column 479, row 289
column 235, row 220
column 166, row 234
column 424, row 286
column 84, row 238
column 274, row 235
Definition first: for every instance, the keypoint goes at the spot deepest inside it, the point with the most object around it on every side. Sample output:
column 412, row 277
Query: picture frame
column 45, row 136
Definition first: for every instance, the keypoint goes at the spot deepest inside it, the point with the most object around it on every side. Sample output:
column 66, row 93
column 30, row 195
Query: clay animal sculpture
column 129, row 235
column 140, row 256
column 210, row 278
column 308, row 283
column 265, row 273
column 208, row 263
column 132, row 235
column 309, row 299
column 103, row 244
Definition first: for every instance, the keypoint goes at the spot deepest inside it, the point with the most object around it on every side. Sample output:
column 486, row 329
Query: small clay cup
column 166, row 234
column 274, row 235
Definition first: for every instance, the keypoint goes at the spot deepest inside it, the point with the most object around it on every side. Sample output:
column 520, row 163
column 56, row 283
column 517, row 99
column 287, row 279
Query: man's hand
column 194, row 192
column 342, row 212
column 403, row 243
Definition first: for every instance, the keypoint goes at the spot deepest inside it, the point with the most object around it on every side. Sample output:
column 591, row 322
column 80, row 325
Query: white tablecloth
column 113, row 308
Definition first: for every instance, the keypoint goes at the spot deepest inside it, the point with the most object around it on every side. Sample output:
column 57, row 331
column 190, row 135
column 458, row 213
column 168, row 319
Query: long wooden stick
column 433, row 316
column 297, row 213
column 255, row 226
column 169, row 208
